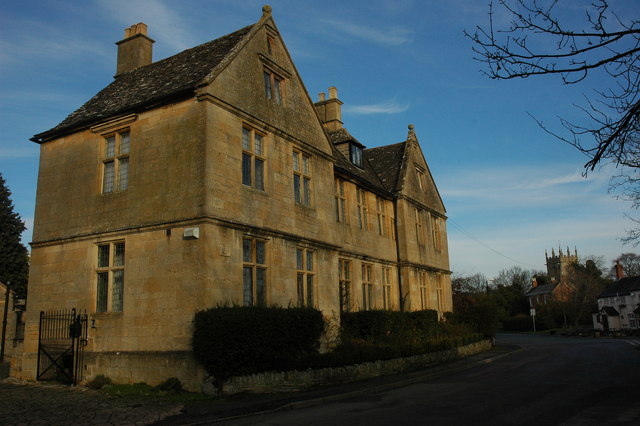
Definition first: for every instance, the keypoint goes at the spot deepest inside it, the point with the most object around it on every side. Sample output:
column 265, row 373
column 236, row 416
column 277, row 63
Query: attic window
column 273, row 86
column 270, row 44
column 355, row 155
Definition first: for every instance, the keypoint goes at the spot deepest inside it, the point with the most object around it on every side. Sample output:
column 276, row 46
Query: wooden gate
column 61, row 341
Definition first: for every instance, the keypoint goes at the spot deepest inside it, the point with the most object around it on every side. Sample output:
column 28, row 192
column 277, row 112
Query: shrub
column 378, row 326
column 99, row 382
column 171, row 385
column 232, row 341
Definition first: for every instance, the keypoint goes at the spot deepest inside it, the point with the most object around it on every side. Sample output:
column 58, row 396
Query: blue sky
column 511, row 191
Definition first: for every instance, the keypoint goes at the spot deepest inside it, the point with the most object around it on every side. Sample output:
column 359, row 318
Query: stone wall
column 290, row 381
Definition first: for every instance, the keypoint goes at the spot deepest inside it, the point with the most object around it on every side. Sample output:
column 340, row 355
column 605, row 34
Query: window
column 363, row 211
column 386, row 288
column 418, row 219
column 382, row 216
column 305, row 277
column 344, row 272
column 355, row 154
column 110, row 277
column 273, row 85
column 341, row 201
column 422, row 181
column 436, row 232
column 252, row 159
column 254, row 272
column 301, row 178
column 270, row 44
column 115, row 163
column 422, row 278
column 440, row 295
column 367, row 286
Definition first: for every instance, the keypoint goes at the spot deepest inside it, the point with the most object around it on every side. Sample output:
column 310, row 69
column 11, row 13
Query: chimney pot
column 333, row 93
column 321, row 96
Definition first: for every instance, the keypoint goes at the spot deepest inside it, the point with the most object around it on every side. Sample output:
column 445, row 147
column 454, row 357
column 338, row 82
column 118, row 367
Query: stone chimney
column 619, row 271
column 135, row 50
column 330, row 110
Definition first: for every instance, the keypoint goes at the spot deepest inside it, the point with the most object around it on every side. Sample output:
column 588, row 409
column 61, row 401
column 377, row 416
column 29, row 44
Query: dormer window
column 355, row 155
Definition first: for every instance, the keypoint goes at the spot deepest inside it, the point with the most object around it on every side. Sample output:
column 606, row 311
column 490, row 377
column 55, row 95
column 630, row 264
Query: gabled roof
column 609, row 311
column 621, row 287
column 366, row 174
column 151, row 85
column 541, row 289
column 386, row 162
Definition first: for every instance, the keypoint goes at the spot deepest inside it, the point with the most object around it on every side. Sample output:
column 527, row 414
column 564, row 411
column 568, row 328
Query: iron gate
column 61, row 342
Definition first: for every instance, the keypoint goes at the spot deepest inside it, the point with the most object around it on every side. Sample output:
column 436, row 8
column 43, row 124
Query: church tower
column 558, row 265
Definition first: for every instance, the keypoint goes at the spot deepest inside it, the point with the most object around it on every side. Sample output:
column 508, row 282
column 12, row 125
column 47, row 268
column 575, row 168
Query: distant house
column 619, row 304
column 557, row 274
column 211, row 177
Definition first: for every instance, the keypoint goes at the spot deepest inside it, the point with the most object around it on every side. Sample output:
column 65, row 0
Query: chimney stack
column 534, row 282
column 619, row 271
column 330, row 110
column 135, row 50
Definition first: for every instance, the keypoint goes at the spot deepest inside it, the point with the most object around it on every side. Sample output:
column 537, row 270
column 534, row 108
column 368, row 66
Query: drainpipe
column 395, row 225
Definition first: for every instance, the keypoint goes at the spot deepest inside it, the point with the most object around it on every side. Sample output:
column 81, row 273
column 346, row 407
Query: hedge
column 235, row 341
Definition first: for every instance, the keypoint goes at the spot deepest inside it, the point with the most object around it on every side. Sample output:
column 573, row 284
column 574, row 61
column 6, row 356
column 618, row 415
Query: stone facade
column 211, row 178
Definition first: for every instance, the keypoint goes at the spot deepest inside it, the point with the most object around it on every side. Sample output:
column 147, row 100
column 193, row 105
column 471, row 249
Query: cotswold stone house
column 211, row 177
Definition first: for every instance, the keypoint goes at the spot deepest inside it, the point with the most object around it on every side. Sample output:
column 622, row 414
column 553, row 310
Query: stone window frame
column 368, row 288
column 301, row 165
column 387, row 301
column 110, row 276
column 254, row 271
column 305, row 277
column 116, row 149
column 422, row 179
column 341, row 201
column 274, row 86
column 423, row 283
column 440, row 293
column 436, row 232
column 254, row 155
column 419, row 225
column 345, row 274
column 381, row 215
column 362, row 206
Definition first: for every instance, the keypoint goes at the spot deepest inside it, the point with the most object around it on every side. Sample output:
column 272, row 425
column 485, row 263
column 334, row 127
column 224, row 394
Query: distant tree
column 515, row 277
column 584, row 283
column 630, row 265
column 461, row 284
column 537, row 42
column 14, row 259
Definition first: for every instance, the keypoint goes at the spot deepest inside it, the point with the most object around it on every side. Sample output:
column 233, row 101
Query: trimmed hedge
column 378, row 326
column 236, row 341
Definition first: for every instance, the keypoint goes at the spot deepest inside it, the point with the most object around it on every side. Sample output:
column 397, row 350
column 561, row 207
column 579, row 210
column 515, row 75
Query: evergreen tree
column 14, row 258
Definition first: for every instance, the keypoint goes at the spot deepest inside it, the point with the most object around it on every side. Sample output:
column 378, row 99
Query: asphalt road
column 553, row 381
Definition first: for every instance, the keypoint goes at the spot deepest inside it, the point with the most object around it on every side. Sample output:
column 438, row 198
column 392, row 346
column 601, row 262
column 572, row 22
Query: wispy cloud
column 7, row 153
column 175, row 33
column 48, row 43
column 390, row 37
column 388, row 107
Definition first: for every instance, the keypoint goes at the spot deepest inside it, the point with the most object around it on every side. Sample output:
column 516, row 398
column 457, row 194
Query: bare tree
column 630, row 265
column 537, row 43
column 584, row 284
